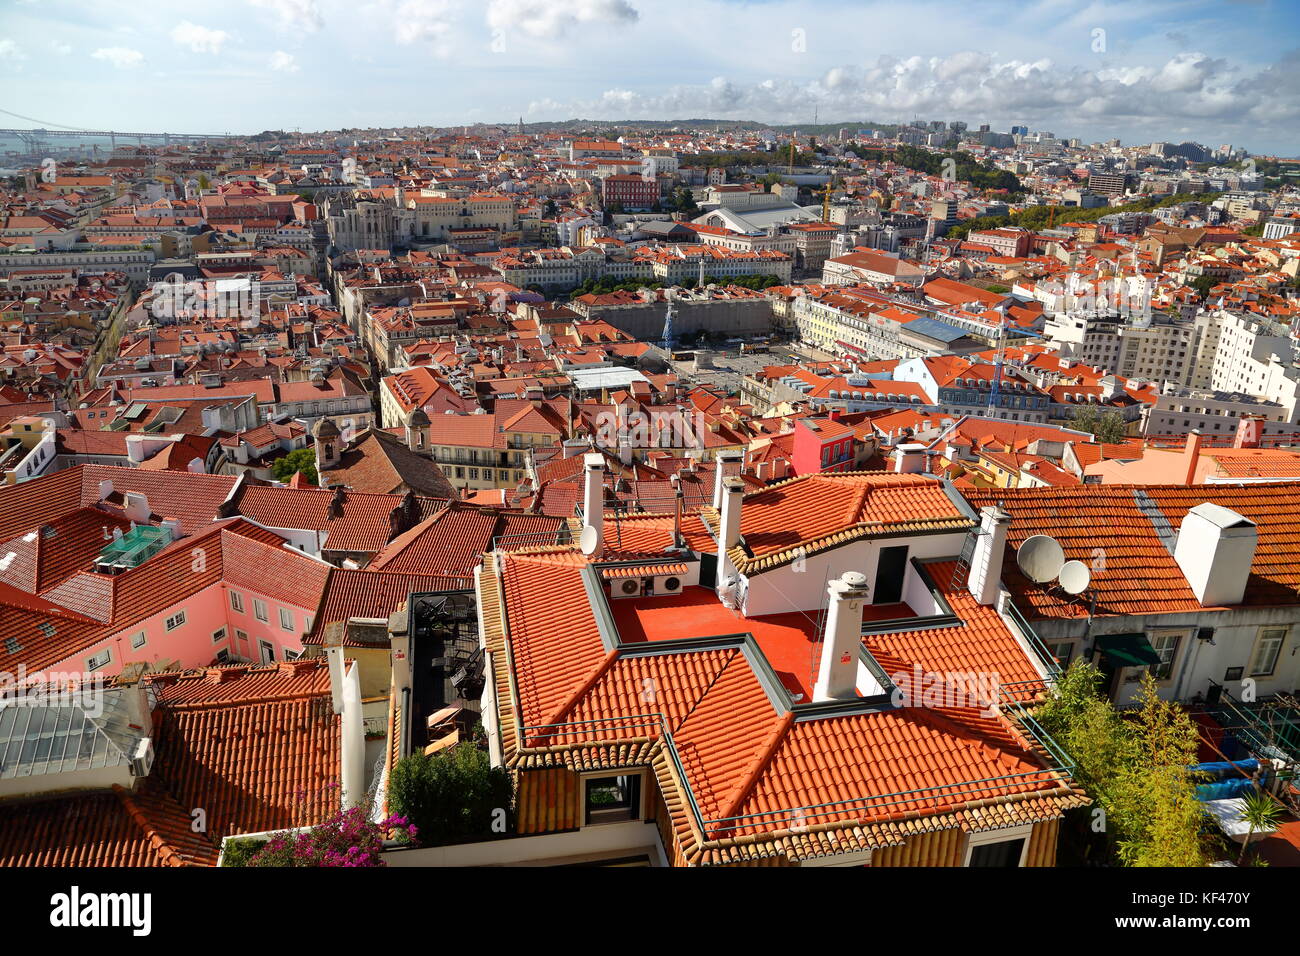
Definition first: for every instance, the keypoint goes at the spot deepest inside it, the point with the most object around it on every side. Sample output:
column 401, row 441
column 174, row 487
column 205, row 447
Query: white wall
column 594, row 841
column 783, row 589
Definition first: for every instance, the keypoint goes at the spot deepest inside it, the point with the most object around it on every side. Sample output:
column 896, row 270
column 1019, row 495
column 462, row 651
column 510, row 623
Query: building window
column 286, row 619
column 137, row 640
column 218, row 635
column 175, row 621
column 1267, row 651
column 1062, row 651
column 999, row 848
column 100, row 660
column 612, row 799
column 259, row 610
column 1005, row 854
column 1166, row 646
column 236, row 602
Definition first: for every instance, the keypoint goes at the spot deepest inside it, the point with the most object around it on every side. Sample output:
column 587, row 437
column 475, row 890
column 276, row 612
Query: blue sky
column 1217, row 71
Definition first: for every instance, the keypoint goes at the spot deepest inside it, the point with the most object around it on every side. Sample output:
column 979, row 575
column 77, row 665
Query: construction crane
column 999, row 359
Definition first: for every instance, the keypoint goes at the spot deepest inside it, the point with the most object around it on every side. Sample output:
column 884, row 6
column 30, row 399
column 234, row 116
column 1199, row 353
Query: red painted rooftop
column 788, row 641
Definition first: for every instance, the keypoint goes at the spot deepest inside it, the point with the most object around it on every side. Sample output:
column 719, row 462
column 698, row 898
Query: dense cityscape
column 646, row 493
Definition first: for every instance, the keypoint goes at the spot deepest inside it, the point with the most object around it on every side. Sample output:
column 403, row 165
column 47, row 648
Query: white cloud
column 122, row 58
column 417, row 21
column 283, row 62
column 10, row 52
column 300, row 14
column 553, row 18
column 198, row 39
column 62, row 49
column 979, row 87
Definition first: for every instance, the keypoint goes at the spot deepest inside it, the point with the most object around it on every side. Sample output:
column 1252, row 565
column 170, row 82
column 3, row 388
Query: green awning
column 1127, row 650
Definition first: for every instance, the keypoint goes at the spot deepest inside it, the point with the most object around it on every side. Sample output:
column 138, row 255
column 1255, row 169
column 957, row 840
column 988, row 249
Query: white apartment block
column 1180, row 409
column 1158, row 351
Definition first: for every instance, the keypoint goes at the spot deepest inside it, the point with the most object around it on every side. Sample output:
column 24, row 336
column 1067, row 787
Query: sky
column 1215, row 71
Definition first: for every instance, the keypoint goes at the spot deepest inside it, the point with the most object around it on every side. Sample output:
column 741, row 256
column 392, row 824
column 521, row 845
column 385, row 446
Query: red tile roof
column 259, row 751
column 755, row 769
column 1132, row 570
column 821, row 510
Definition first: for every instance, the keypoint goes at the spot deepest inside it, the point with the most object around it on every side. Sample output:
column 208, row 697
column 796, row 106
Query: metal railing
column 1031, row 637
column 533, row 539
column 1058, row 773
column 1259, row 725
column 939, row 797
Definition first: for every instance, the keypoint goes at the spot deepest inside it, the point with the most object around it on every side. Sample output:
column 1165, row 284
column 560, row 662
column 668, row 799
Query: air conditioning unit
column 142, row 758
column 628, row 587
column 671, row 585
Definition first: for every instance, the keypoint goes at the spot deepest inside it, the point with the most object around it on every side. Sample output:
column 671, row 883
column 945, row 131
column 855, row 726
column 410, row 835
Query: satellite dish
column 589, row 540
column 1040, row 558
column 1075, row 577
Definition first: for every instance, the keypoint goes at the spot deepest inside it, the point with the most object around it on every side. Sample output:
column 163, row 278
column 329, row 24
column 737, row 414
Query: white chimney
column 1215, row 549
column 837, row 677
column 105, row 489
column 593, row 497
column 730, row 455
column 678, row 495
column 909, row 459
column 984, row 579
column 334, row 657
column 135, row 450
column 733, row 492
column 352, row 752
column 173, row 527
column 137, row 507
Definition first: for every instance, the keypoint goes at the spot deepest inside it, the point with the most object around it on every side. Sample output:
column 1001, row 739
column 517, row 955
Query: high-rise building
column 1108, row 184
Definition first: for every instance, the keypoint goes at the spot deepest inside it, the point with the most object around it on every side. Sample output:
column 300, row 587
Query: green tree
column 1203, row 285
column 684, row 202
column 452, row 796
column 1162, row 815
column 550, row 210
column 204, row 182
column 1107, row 427
column 303, row 460
column 1134, row 767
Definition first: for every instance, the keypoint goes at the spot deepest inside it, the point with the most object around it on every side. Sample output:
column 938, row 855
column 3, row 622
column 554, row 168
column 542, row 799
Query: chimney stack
column 733, row 492
column 137, row 507
column 984, row 579
column 1215, row 549
column 1192, row 456
column 678, row 495
column 837, row 677
column 593, row 497
column 729, row 455
column 334, row 657
column 910, row 459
